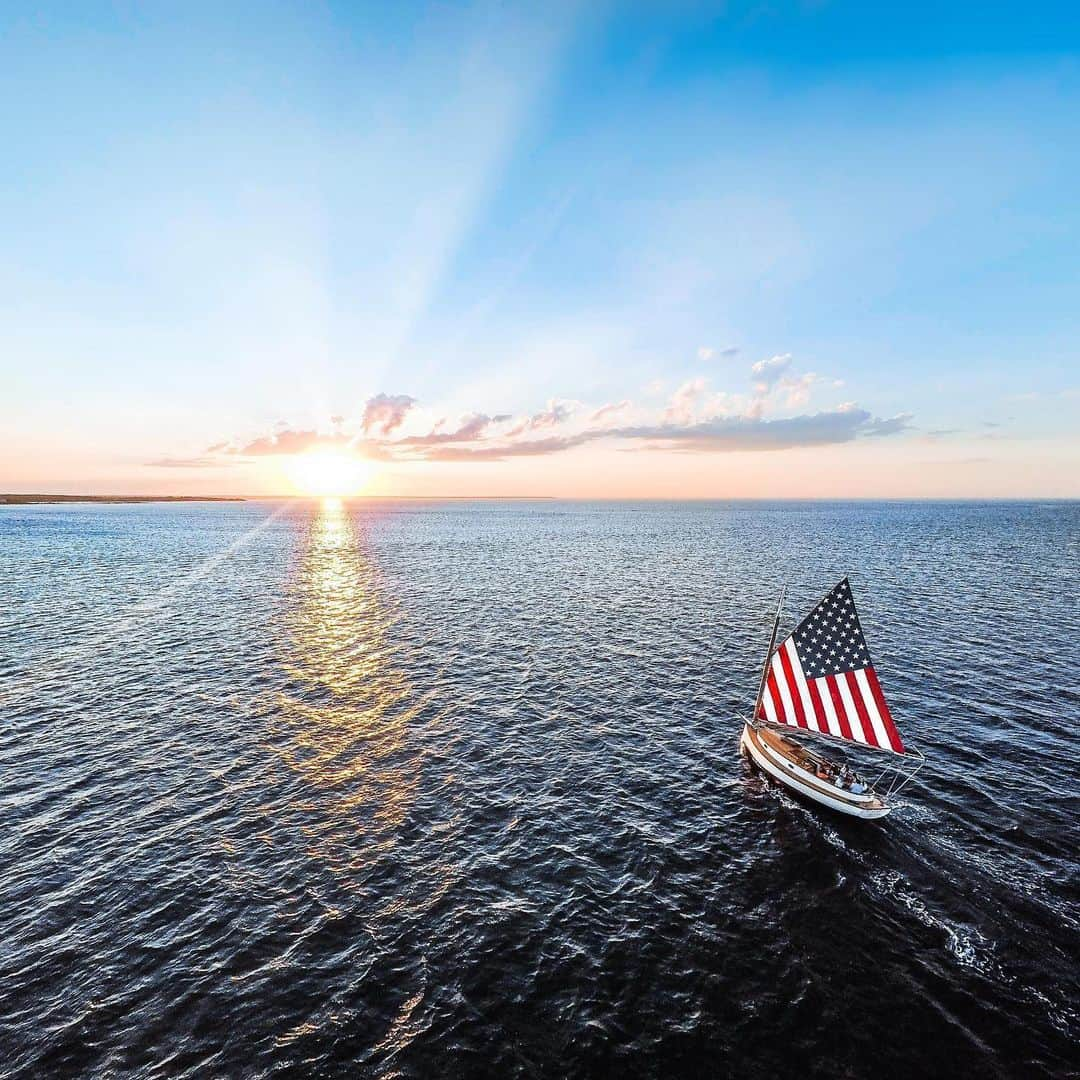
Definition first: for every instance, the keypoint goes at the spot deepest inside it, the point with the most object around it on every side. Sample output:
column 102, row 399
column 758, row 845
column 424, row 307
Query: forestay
column 820, row 679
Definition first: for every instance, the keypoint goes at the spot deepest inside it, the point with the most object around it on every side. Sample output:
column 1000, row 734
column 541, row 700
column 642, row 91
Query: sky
column 655, row 250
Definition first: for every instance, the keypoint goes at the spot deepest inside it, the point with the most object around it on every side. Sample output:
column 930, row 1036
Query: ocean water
column 452, row 789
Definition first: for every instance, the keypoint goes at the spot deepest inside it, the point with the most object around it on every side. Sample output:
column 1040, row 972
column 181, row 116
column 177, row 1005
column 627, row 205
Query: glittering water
column 452, row 789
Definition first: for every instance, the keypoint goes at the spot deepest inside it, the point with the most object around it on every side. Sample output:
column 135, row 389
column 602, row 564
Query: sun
column 328, row 473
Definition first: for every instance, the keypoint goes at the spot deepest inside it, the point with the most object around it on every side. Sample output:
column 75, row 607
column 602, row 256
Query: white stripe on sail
column 850, row 709
column 767, row 702
column 827, row 705
column 800, row 682
column 785, row 692
column 872, row 709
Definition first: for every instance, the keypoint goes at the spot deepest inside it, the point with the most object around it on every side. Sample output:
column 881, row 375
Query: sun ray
column 328, row 473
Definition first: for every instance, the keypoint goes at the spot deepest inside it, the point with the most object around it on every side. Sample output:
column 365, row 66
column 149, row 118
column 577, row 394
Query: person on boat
column 846, row 779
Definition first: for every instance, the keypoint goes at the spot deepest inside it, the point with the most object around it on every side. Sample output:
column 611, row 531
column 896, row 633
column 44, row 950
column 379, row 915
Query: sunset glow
column 770, row 266
column 327, row 473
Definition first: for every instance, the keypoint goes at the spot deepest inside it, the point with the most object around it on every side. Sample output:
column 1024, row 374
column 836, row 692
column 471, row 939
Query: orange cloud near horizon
column 697, row 443
column 959, row 469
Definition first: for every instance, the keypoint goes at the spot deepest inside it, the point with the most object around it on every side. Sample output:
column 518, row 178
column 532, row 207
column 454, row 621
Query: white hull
column 805, row 783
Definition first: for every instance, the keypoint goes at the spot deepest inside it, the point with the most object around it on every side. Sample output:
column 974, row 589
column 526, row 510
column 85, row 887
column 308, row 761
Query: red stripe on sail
column 772, row 688
column 864, row 717
column 793, row 689
column 768, row 692
column 819, row 709
column 839, row 707
column 883, row 711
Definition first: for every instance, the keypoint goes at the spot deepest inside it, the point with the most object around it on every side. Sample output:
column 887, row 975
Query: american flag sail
column 821, row 678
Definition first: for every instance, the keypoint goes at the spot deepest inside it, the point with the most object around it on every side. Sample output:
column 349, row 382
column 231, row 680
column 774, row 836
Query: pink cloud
column 684, row 402
column 797, row 388
column 287, row 441
column 384, row 413
column 694, row 419
column 610, row 411
column 471, row 428
column 557, row 412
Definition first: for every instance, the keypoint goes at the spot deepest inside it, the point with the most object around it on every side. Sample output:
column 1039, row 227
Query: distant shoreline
column 32, row 500
column 29, row 500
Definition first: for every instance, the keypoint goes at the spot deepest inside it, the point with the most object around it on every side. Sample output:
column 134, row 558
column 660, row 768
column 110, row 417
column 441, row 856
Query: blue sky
column 224, row 221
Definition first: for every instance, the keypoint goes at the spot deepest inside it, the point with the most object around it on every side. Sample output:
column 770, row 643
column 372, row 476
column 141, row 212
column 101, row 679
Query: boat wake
column 964, row 943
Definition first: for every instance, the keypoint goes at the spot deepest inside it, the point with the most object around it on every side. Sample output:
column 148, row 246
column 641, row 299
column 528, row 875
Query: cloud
column 684, row 402
column 773, row 379
column 609, row 411
column 694, row 419
column 717, row 434
column 384, row 413
column 893, row 426
column 557, row 412
column 707, row 353
column 528, row 448
column 287, row 442
column 735, row 433
column 797, row 388
column 470, row 429
column 766, row 372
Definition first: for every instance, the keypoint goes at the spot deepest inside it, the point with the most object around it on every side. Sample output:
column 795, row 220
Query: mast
column 768, row 657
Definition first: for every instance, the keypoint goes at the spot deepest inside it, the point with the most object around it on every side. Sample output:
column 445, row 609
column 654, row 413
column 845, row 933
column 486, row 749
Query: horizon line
column 46, row 498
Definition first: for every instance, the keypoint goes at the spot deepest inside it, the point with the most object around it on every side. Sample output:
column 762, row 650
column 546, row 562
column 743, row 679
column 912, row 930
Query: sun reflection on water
column 347, row 707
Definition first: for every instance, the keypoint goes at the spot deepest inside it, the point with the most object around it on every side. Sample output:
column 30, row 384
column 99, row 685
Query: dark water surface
column 452, row 789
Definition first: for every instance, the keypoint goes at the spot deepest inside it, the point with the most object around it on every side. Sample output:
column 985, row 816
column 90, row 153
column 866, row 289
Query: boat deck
column 796, row 766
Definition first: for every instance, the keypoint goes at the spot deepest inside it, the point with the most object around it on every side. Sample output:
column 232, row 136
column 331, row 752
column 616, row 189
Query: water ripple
column 415, row 789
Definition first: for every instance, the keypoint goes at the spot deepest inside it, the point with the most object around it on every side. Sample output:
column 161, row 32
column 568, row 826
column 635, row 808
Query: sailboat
column 820, row 684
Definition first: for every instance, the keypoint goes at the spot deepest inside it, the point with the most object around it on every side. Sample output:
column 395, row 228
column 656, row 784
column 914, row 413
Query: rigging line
column 809, row 733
